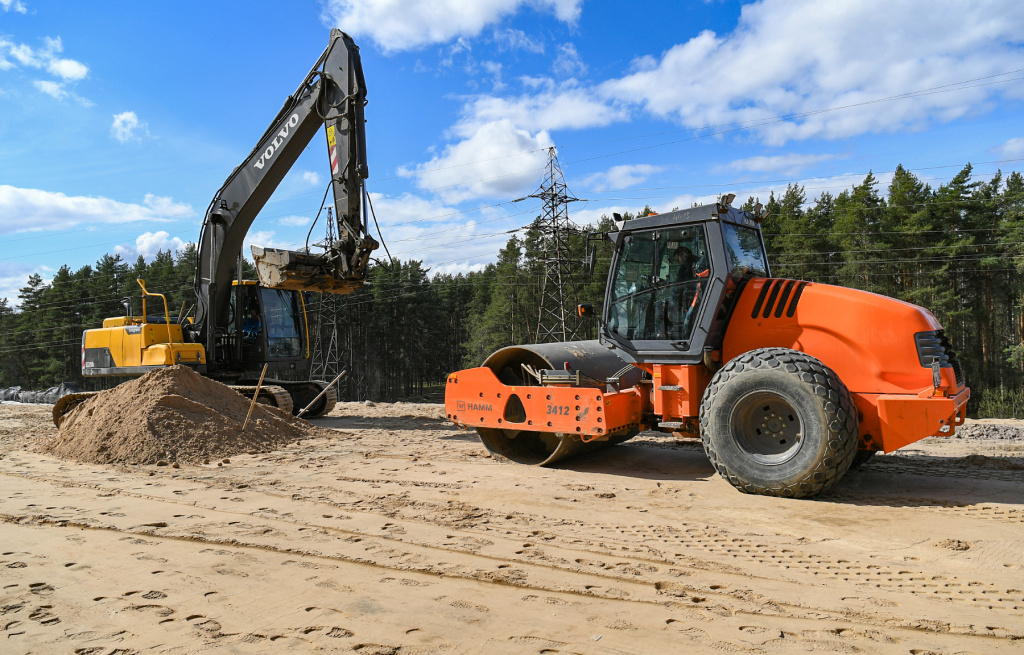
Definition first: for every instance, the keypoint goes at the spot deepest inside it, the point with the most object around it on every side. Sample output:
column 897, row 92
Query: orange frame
column 477, row 398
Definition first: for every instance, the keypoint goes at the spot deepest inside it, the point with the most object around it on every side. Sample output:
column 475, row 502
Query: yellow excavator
column 242, row 326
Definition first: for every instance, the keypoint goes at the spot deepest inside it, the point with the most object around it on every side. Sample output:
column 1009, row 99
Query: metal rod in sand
column 255, row 396
column 306, row 408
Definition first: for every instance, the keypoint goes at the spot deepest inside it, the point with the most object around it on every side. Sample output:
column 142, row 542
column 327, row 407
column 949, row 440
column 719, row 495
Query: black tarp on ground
column 50, row 396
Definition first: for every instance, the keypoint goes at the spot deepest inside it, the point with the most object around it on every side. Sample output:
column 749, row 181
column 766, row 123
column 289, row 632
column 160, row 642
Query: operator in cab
column 675, row 311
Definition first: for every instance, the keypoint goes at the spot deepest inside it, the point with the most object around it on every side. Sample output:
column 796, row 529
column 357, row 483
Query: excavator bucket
column 300, row 271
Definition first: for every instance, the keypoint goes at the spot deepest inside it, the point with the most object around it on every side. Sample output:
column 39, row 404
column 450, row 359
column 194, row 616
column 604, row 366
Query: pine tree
column 8, row 324
column 858, row 219
column 504, row 321
column 31, row 337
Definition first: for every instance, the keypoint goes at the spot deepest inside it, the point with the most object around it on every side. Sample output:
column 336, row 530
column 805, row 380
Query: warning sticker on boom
column 330, row 136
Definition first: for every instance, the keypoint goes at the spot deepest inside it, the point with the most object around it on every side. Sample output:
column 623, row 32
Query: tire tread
column 837, row 403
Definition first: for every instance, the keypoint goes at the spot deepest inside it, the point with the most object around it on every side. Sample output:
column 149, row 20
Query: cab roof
column 702, row 213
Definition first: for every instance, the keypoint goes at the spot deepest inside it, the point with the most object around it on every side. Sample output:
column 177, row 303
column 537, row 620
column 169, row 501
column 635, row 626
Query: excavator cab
column 266, row 326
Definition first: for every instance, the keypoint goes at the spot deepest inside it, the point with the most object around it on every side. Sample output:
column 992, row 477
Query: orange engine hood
column 867, row 339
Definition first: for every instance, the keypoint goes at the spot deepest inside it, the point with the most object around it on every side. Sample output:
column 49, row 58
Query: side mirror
column 585, row 310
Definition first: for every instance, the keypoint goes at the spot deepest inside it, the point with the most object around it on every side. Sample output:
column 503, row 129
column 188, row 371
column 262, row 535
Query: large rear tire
column 778, row 422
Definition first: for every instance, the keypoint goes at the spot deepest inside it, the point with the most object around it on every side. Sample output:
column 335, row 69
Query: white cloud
column 26, row 210
column 68, row 69
column 125, row 126
column 592, row 215
column 501, row 141
column 480, row 166
column 406, row 24
column 787, row 57
column 22, row 53
column 493, row 68
column 50, row 88
column 813, row 188
column 512, row 40
column 1011, row 149
column 294, row 221
column 408, row 209
column 164, row 206
column 443, row 238
column 790, row 164
column 568, row 62
column 60, row 91
column 148, row 244
column 311, row 177
column 621, row 177
column 14, row 276
column 46, row 58
column 550, row 107
column 455, row 268
column 461, row 45
column 14, row 5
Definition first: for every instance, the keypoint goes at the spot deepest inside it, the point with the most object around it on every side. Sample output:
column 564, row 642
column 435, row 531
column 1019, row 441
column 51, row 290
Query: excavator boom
column 240, row 327
column 332, row 95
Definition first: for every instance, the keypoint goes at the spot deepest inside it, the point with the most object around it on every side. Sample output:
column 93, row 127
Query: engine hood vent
column 774, row 296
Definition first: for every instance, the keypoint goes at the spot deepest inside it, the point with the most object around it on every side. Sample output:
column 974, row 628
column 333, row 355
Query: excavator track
column 326, row 403
column 303, row 393
column 270, row 394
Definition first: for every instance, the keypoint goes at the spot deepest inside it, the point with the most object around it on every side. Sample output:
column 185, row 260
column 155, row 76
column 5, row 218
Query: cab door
column 660, row 286
column 246, row 323
column 284, row 325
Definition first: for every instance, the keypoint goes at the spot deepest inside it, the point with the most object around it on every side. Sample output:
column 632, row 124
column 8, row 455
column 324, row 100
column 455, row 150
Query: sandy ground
column 400, row 535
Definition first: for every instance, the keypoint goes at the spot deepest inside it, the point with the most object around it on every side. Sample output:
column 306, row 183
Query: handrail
column 167, row 314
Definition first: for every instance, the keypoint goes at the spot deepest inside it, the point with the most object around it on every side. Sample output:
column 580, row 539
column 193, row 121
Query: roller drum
column 535, row 448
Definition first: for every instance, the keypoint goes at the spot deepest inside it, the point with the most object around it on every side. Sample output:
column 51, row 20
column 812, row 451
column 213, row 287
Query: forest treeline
column 956, row 249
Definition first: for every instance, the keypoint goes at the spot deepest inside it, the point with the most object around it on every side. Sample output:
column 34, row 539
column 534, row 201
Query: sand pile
column 171, row 415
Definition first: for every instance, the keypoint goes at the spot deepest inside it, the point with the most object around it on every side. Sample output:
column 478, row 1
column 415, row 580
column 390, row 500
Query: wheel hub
column 767, row 427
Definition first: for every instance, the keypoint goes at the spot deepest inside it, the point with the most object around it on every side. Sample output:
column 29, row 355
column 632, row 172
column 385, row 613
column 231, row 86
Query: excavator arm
column 332, row 95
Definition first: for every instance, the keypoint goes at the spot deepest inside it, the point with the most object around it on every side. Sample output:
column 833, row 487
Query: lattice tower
column 326, row 351
column 557, row 320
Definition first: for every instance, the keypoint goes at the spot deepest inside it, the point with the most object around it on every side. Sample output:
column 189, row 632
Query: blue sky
column 119, row 121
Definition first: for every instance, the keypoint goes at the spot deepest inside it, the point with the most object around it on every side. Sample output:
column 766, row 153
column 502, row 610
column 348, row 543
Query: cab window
column 283, row 323
column 744, row 251
column 657, row 285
